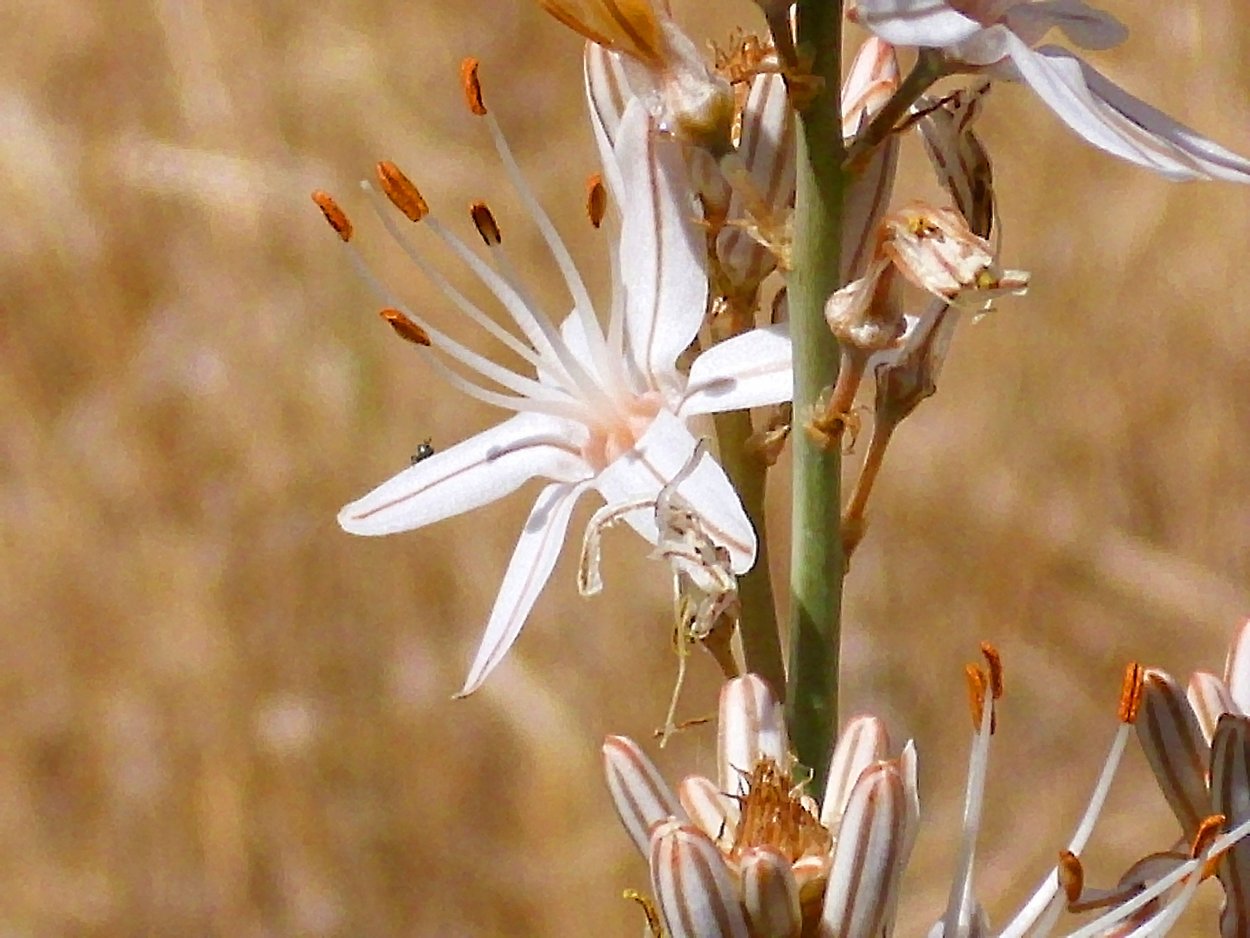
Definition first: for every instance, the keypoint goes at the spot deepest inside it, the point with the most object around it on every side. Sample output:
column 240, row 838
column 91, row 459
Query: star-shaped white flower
column 607, row 408
column 1001, row 36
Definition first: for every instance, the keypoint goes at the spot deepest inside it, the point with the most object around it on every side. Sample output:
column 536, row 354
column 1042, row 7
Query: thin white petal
column 929, row 23
column 1112, row 119
column 659, row 455
column 641, row 797
column 536, row 552
column 748, row 370
column 663, row 253
column 607, row 93
column 485, row 467
column 752, row 727
column 1237, row 668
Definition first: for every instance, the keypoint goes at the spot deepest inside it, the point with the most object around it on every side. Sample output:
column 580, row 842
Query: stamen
column 334, row 215
column 1131, row 693
column 596, row 199
column 404, row 327
column 485, row 223
column 1071, row 875
column 995, row 662
column 472, row 87
column 400, row 190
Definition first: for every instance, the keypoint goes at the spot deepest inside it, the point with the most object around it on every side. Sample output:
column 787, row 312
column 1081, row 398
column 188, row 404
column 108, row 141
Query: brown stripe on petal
column 862, row 742
column 1172, row 740
column 751, row 726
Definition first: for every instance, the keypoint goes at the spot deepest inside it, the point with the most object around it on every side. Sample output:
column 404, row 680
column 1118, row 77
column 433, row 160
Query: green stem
column 761, row 641
column 816, row 546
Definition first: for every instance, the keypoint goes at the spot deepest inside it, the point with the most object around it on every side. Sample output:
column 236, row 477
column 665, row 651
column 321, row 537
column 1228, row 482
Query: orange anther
column 977, row 685
column 1208, row 829
column 1071, row 876
column 404, row 327
column 485, row 223
column 596, row 199
column 1130, row 693
column 472, row 87
column 400, row 190
column 995, row 662
column 334, row 215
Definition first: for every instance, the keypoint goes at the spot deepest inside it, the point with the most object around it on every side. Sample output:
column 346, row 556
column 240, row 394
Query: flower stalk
column 816, row 545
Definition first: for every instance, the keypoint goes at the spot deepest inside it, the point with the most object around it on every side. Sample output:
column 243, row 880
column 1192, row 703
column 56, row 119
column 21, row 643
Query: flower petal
column 869, row 856
column 928, row 23
column 862, row 742
column 1230, row 795
column 1172, row 740
column 752, row 727
column 770, row 893
column 663, row 257
column 641, row 797
column 1084, row 25
column 1237, row 668
column 748, row 370
column 485, row 467
column 693, row 886
column 658, row 456
column 1209, row 697
column 528, row 571
column 710, row 808
column 1113, row 120
column 607, row 94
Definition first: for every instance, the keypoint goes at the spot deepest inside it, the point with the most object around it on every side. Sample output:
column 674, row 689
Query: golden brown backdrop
column 224, row 716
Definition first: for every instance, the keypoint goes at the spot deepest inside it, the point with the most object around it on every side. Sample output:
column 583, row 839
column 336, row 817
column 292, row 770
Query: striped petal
column 692, row 885
column 641, row 797
column 1237, row 668
column 710, row 808
column 863, row 741
column 1172, row 740
column 752, row 727
column 869, row 856
column 1230, row 793
column 1209, row 697
column 770, row 894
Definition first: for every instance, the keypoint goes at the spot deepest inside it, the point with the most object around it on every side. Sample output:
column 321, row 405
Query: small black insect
column 424, row 451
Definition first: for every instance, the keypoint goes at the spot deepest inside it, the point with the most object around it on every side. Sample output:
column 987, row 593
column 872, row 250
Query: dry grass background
column 224, row 716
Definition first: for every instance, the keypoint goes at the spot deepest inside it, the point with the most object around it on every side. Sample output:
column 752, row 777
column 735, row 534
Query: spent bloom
column 752, row 855
column 606, row 407
column 1000, row 38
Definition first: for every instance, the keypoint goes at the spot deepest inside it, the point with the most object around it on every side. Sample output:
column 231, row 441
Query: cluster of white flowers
column 698, row 182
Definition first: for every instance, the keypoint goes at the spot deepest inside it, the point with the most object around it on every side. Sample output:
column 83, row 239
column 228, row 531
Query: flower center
column 619, row 433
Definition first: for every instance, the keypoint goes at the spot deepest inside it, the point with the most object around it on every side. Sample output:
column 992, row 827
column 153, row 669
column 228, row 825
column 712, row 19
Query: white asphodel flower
column 1001, row 37
column 606, row 408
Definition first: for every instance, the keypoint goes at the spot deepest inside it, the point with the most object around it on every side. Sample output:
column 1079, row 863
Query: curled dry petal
column 1172, row 740
column 692, row 884
column 641, row 797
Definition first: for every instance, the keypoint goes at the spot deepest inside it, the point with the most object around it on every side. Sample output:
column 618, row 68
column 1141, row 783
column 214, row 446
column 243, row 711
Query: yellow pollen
column 334, row 215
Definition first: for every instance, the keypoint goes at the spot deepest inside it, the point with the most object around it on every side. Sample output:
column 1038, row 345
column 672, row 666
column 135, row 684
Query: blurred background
column 223, row 716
